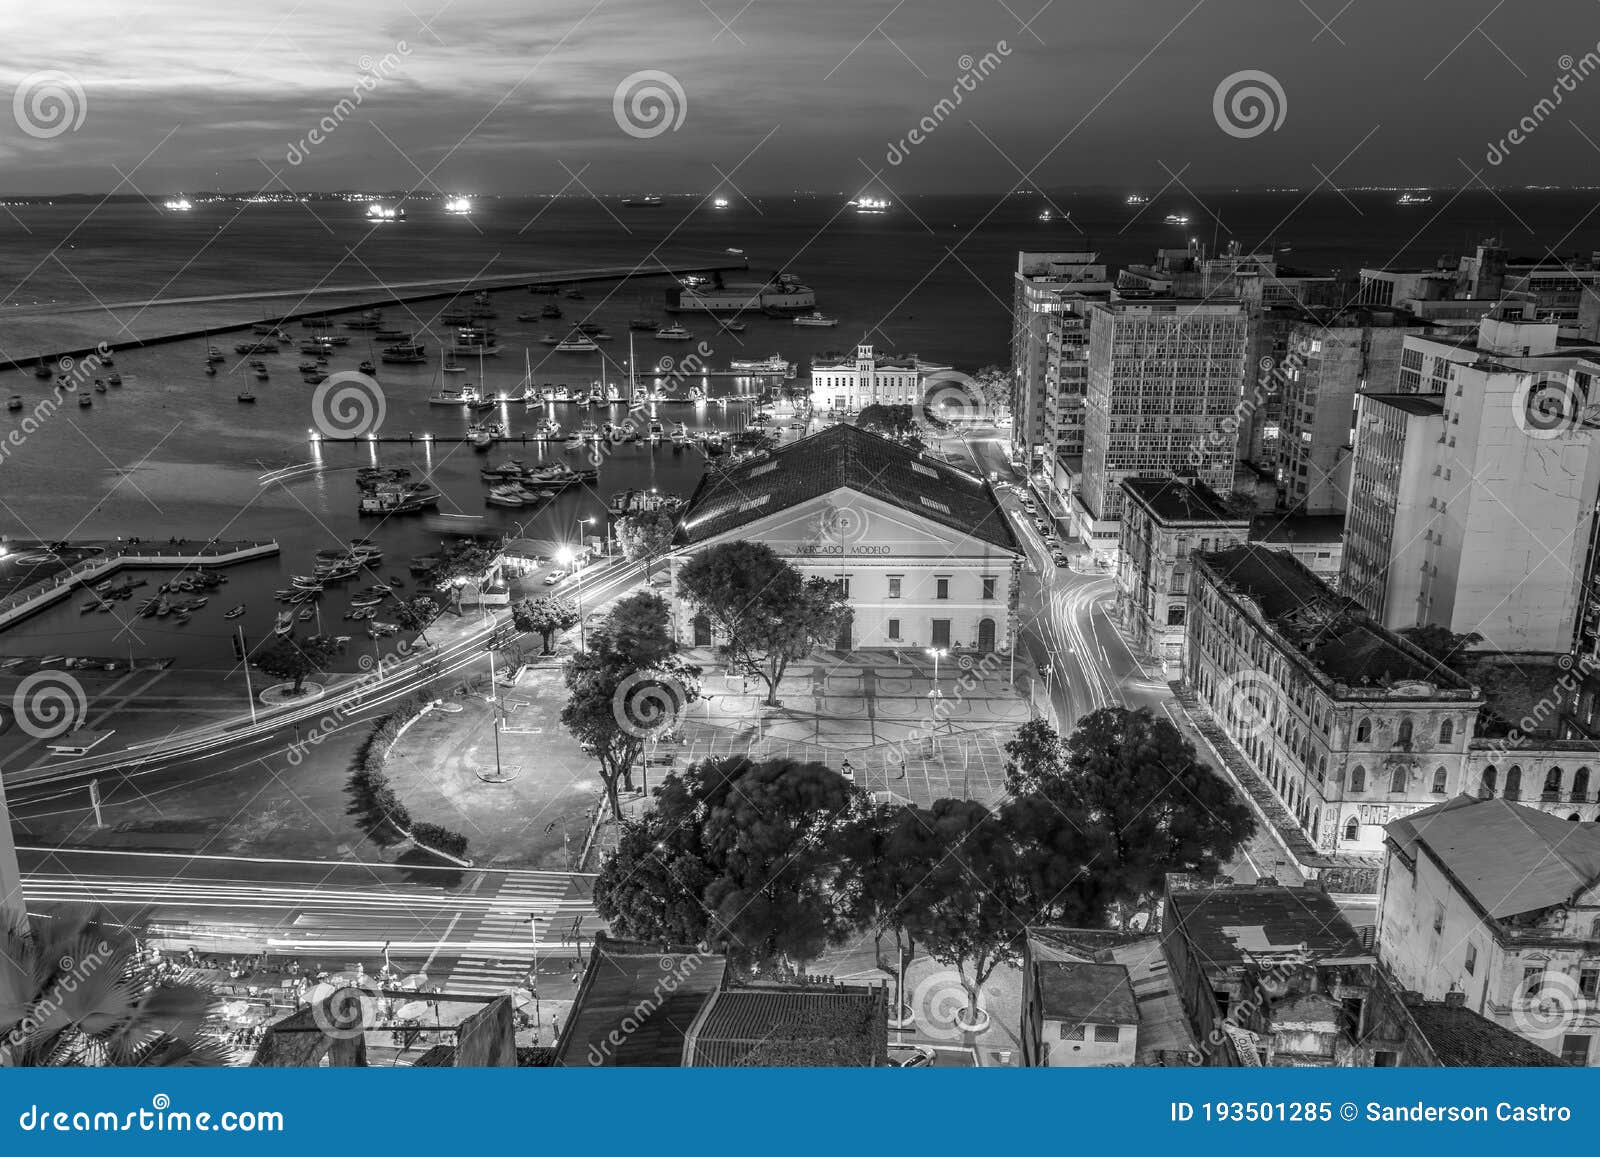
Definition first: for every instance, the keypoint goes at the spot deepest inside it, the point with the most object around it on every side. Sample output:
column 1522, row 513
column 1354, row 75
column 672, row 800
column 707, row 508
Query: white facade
column 912, row 583
column 869, row 379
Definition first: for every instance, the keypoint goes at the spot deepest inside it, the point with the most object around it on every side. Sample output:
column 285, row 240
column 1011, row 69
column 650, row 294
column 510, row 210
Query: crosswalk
column 501, row 954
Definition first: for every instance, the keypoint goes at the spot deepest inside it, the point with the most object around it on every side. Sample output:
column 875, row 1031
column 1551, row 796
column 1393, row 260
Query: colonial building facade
column 921, row 549
column 844, row 383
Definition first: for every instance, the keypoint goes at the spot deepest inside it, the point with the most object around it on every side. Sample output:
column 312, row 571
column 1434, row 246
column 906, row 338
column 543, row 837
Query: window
column 941, row 588
column 1486, row 785
column 1514, row 782
column 1575, row 1048
column 1447, row 731
column 1439, row 778
column 1580, row 784
column 1364, row 731
column 894, row 628
column 1358, row 779
column 988, row 586
column 1397, row 781
column 1405, row 733
column 841, row 583
column 1589, row 984
column 1109, row 1034
column 1532, row 980
column 1072, row 1032
column 1552, row 784
column 894, row 586
column 1352, row 830
column 1472, row 959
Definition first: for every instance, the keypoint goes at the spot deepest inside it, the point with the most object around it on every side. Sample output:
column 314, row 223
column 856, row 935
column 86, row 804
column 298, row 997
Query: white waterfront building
column 844, row 383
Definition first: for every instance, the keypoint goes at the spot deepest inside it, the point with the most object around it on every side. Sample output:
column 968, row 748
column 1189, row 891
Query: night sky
column 512, row 96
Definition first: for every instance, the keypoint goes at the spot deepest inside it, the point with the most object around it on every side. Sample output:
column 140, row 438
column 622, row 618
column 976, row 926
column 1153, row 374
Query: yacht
column 577, row 343
column 85, row 398
column 680, row 434
column 870, row 205
column 451, row 366
column 398, row 500
column 816, row 318
column 775, row 365
column 366, row 367
column 474, row 348
column 392, row 335
column 465, row 396
column 15, row 403
column 505, row 496
column 115, row 379
column 213, row 354
column 407, row 354
column 674, row 332
column 1414, row 199
column 642, row 323
column 647, row 202
column 246, row 396
column 1177, row 219
column 552, row 310
column 589, row 432
column 1135, row 199
column 371, row 319
column 655, row 432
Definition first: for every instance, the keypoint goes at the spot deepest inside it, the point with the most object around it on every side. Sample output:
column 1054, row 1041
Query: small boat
column 574, row 295
column 234, row 612
column 465, row 396
column 656, row 432
column 85, row 398
column 674, row 332
column 816, row 318
column 91, row 605
column 642, row 323
column 1176, row 219
column 406, row 354
column 549, row 339
column 246, row 396
column 99, row 386
column 115, row 379
column 551, row 310
column 576, row 344
column 43, row 370
column 261, row 375
column 732, row 326
column 367, row 368
column 396, row 335
column 680, row 434
column 505, row 496
column 284, row 623
column 307, row 613
column 481, row 439
column 211, row 370
column 213, row 354
column 15, row 403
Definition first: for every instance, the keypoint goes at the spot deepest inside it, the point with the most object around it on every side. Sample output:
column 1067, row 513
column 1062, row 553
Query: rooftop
column 1232, row 927
column 1423, row 405
column 1079, row 992
column 1175, row 500
column 1460, row 1038
column 1507, row 858
column 790, row 1025
column 1330, row 631
column 1323, row 528
column 629, row 981
column 844, row 457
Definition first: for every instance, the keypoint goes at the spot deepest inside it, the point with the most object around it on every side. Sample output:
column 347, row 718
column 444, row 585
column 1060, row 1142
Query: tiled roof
column 1510, row 859
column 636, row 1003
column 1460, row 1038
column 783, row 1026
column 844, row 456
column 1081, row 993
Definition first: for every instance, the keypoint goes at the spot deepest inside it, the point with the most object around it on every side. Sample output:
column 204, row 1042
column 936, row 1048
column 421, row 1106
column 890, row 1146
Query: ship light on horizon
column 381, row 212
column 458, row 205
column 720, row 203
column 177, row 205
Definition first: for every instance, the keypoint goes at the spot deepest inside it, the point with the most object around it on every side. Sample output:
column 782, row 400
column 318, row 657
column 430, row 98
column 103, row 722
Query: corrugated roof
column 636, row 1004
column 845, row 457
column 771, row 1026
column 1231, row 927
column 1510, row 859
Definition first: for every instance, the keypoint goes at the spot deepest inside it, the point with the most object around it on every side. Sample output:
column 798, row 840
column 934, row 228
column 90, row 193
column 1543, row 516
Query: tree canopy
column 646, row 536
column 287, row 657
column 545, row 617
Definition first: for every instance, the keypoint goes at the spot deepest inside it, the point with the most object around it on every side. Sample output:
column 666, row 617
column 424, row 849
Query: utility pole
column 244, row 661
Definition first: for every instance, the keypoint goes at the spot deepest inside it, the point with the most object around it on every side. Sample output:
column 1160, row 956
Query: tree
column 889, row 420
column 287, row 657
column 881, row 845
column 970, row 908
column 75, row 992
column 415, row 614
column 545, row 617
column 1131, row 779
column 768, row 613
column 465, row 561
column 780, row 895
column 646, row 536
column 628, row 689
column 994, row 387
column 1441, row 643
column 753, row 439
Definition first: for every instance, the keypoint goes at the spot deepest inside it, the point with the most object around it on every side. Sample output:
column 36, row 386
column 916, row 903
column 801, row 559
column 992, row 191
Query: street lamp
column 568, row 558
column 937, row 653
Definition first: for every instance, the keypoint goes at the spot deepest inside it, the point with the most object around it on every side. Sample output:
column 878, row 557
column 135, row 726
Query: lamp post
column 937, row 653
column 566, row 557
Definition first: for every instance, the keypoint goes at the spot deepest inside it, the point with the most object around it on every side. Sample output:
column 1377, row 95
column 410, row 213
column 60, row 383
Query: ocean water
column 172, row 452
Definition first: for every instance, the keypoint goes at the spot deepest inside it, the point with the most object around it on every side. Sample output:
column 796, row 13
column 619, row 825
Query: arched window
column 1447, row 731
column 1514, row 782
column 1405, row 732
column 1486, row 785
column 1358, row 778
column 1580, row 785
column 1552, row 784
column 1575, row 818
column 1364, row 731
column 1397, row 781
column 1352, row 830
column 1439, row 778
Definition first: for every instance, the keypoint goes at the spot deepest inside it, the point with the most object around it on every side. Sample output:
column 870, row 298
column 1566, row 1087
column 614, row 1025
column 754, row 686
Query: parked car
column 554, row 577
column 1058, row 558
column 910, row 1056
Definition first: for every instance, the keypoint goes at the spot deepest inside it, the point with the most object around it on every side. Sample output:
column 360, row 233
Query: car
column 1059, row 559
column 554, row 577
column 911, row 1056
